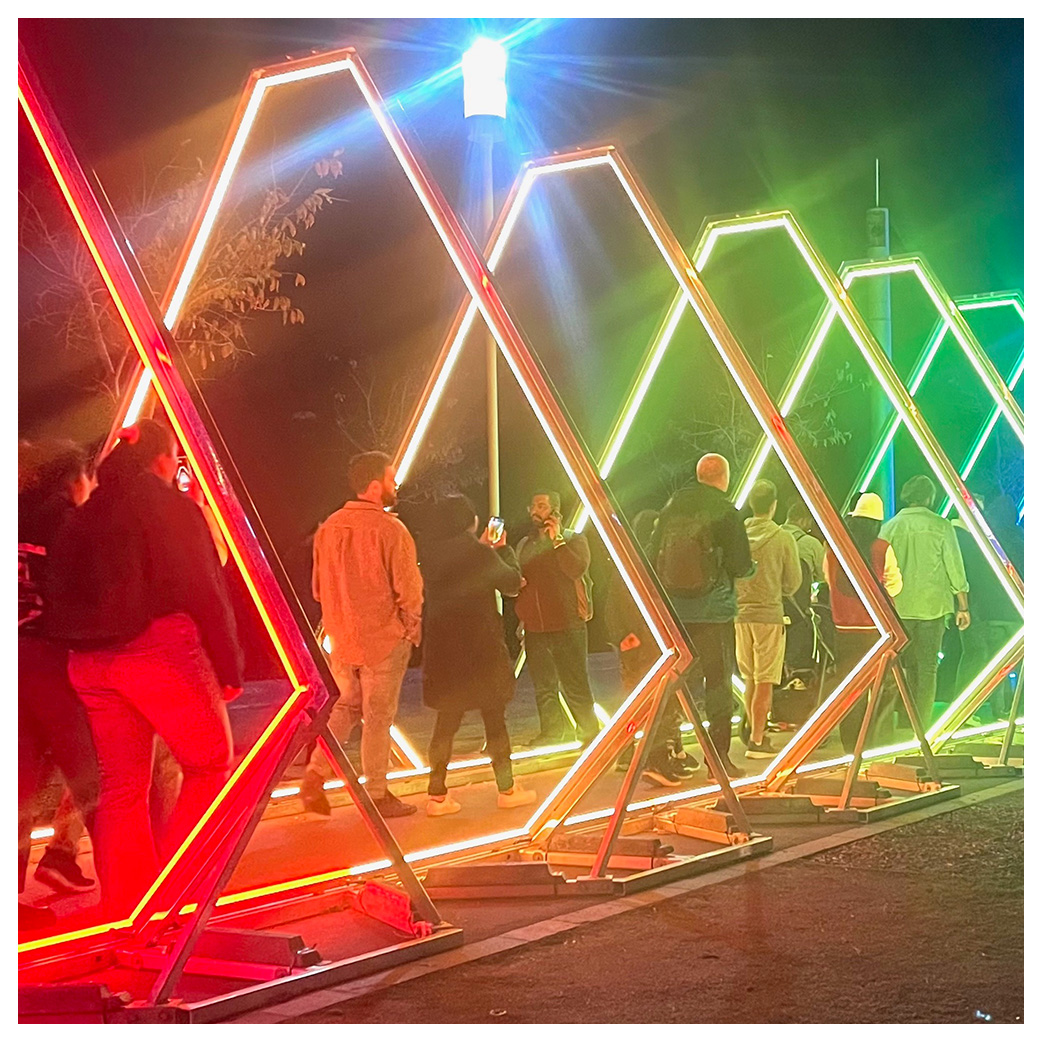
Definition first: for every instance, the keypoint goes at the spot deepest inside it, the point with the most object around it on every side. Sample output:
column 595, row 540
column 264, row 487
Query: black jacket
column 466, row 662
column 139, row 550
column 557, row 594
column 729, row 538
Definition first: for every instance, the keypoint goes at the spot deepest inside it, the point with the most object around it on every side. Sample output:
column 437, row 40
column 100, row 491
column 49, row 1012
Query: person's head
column 371, row 476
column 453, row 515
column 712, row 469
column 147, row 446
column 643, row 524
column 864, row 522
column 762, row 499
column 55, row 468
column 544, row 504
column 799, row 515
column 918, row 492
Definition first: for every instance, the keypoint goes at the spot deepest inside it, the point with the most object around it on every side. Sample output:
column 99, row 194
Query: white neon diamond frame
column 746, row 378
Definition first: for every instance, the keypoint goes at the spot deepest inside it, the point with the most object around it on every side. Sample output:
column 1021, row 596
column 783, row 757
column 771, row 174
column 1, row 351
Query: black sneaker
column 60, row 871
column 682, row 765
column 744, row 730
column 314, row 799
column 390, row 807
column 687, row 761
column 660, row 777
column 764, row 749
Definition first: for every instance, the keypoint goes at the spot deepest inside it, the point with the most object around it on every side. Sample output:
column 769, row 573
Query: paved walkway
column 917, row 919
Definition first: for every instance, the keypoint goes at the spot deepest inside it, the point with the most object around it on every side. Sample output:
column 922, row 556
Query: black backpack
column 688, row 561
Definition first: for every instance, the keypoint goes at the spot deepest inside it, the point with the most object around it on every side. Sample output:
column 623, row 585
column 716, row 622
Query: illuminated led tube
column 691, row 293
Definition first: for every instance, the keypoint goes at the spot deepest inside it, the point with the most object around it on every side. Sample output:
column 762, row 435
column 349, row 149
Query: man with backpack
column 760, row 630
column 699, row 549
column 554, row 606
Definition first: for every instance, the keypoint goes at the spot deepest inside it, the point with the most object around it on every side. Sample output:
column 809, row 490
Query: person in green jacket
column 929, row 557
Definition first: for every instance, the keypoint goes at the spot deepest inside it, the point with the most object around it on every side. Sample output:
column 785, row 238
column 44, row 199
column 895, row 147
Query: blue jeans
column 920, row 662
column 369, row 695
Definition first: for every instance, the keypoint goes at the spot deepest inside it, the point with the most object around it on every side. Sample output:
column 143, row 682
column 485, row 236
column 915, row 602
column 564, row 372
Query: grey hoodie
column 775, row 554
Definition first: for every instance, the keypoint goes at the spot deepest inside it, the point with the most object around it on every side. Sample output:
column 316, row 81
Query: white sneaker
column 446, row 807
column 516, row 796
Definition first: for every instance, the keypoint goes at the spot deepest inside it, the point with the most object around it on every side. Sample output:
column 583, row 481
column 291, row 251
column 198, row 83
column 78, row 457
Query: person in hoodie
column 466, row 661
column 136, row 593
column 800, row 633
column 52, row 722
column 554, row 606
column 699, row 548
column 760, row 630
column 994, row 618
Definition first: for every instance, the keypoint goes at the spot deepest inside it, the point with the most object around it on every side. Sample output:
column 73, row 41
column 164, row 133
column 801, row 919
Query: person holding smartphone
column 466, row 662
column 554, row 607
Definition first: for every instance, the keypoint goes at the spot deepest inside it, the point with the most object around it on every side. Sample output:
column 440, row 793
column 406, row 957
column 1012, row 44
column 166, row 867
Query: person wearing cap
column 856, row 632
column 933, row 570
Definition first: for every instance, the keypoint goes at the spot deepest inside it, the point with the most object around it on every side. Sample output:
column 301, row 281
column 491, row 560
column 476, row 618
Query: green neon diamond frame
column 1003, row 299
column 691, row 293
column 839, row 305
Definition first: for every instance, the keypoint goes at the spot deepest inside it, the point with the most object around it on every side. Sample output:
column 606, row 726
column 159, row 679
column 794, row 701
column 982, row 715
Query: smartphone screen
column 184, row 479
column 495, row 529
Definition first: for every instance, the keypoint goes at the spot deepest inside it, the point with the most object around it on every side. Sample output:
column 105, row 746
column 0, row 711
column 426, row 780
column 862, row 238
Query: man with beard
column 365, row 577
column 554, row 607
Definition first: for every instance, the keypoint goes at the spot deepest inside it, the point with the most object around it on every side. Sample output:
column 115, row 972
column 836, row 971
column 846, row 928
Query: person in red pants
column 136, row 593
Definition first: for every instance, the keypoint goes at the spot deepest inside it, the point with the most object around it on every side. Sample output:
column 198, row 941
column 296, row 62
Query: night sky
column 717, row 117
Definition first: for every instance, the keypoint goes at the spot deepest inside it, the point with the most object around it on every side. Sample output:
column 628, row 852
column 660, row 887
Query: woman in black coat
column 466, row 662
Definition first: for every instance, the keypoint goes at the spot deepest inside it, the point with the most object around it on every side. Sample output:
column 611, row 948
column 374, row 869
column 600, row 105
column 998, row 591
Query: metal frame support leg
column 1009, row 732
column 423, row 907
column 915, row 720
column 634, row 770
column 716, row 765
column 864, row 729
column 168, row 977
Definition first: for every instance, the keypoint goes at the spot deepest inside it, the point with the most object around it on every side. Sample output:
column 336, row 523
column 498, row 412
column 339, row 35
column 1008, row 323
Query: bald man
column 699, row 548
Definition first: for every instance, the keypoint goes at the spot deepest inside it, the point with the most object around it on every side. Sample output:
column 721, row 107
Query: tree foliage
column 248, row 271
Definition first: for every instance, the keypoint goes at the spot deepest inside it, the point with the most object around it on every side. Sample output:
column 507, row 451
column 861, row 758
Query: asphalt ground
column 920, row 923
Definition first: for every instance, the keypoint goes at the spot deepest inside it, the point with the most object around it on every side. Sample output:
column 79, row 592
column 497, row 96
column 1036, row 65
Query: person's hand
column 963, row 619
column 501, row 542
column 231, row 692
column 553, row 528
column 523, row 583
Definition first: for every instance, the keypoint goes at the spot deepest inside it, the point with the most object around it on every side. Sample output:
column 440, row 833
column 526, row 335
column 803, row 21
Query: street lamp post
column 485, row 109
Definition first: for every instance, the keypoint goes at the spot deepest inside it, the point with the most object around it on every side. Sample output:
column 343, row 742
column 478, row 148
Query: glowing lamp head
column 485, row 65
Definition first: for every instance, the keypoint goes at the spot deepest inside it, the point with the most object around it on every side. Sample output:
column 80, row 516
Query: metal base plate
column 894, row 807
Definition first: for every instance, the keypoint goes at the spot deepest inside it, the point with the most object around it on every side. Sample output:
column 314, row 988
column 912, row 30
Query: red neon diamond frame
column 299, row 654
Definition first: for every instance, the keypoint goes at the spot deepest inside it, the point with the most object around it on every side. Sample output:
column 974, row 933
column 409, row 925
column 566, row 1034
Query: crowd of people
column 127, row 638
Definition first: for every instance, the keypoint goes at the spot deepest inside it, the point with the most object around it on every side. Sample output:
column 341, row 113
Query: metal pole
column 878, row 313
column 1009, row 732
column 864, row 728
column 484, row 141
